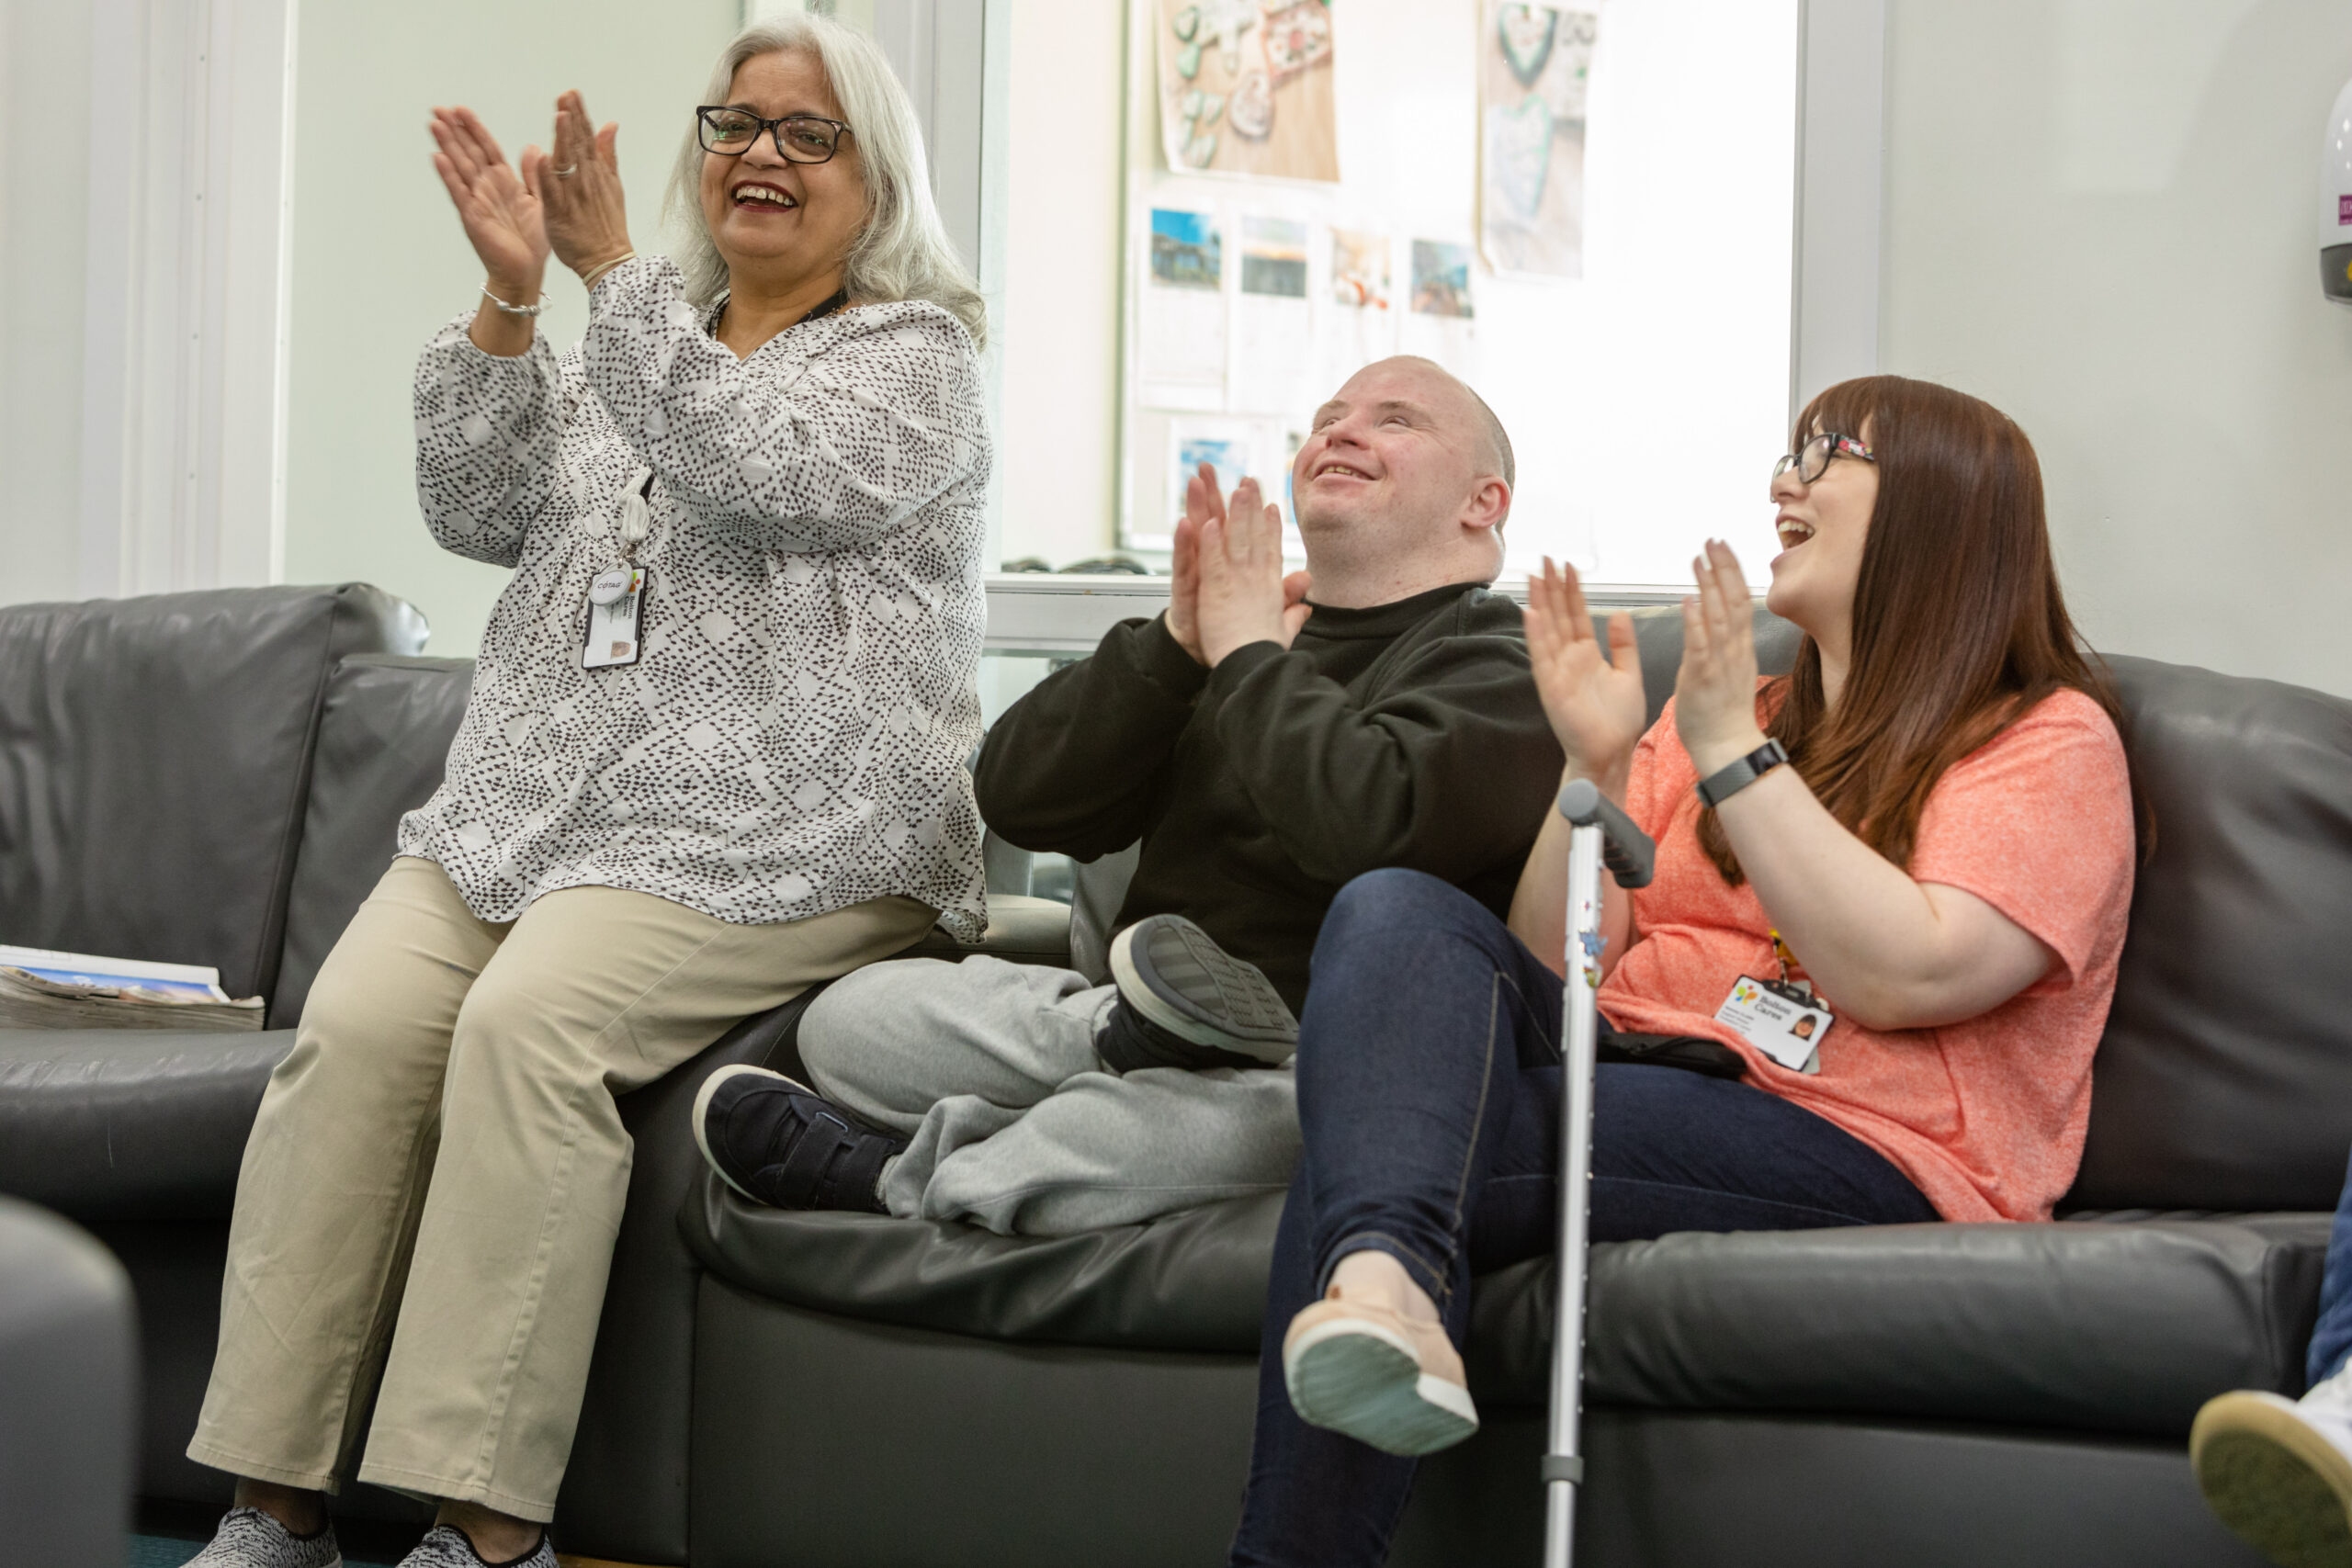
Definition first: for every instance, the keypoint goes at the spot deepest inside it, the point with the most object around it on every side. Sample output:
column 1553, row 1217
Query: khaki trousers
column 429, row 1198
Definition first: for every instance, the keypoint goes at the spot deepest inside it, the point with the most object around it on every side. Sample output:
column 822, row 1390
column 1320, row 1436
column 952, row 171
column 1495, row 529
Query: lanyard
column 637, row 517
column 839, row 298
column 1788, row 962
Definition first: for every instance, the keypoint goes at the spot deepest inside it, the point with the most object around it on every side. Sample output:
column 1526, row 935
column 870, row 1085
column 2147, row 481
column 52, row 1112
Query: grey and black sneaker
column 445, row 1546
column 250, row 1539
column 778, row 1141
column 1186, row 1002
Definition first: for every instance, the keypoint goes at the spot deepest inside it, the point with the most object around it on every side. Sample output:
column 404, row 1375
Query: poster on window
column 1245, row 87
column 1534, row 63
column 1183, row 345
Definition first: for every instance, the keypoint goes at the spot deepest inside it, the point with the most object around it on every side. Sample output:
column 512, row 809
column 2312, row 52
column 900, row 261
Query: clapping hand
column 500, row 213
column 1593, row 699
column 579, row 186
column 1715, row 695
column 1229, row 590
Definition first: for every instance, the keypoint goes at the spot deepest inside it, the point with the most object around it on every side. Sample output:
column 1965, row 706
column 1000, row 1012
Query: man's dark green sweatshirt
column 1404, row 735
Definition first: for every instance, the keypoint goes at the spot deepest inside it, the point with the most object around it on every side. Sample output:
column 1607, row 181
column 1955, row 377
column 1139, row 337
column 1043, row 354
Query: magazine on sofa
column 39, row 989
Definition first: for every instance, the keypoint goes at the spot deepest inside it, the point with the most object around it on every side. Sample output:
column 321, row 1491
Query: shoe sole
column 1156, row 1009
column 1361, row 1380
column 703, row 1097
column 2281, row 1486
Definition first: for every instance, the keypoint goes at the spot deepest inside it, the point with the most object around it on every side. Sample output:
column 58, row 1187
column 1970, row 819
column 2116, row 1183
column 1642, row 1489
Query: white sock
column 2333, row 1393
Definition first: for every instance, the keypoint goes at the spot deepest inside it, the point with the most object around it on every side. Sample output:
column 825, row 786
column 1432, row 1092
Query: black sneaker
column 1186, row 1002
column 780, row 1143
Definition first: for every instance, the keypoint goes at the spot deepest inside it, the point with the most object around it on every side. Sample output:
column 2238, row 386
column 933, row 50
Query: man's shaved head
column 1498, row 438
column 1406, row 477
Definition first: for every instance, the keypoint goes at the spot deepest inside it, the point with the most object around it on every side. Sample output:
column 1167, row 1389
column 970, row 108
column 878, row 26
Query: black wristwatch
column 1730, row 779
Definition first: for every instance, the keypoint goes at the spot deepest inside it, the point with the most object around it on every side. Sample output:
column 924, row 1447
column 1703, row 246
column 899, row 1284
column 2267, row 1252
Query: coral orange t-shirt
column 1986, row 1116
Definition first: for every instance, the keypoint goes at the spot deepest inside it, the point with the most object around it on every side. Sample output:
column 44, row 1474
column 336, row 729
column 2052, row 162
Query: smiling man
column 1267, row 739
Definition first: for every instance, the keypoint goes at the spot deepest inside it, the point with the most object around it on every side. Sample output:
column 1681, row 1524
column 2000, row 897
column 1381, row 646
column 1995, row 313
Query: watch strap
column 1733, row 777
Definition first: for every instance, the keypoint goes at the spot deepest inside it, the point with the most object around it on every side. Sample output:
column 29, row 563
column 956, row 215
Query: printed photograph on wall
column 1441, row 278
column 1187, row 251
column 1245, row 87
column 1217, row 443
column 1273, row 256
column 1534, row 63
column 1360, row 269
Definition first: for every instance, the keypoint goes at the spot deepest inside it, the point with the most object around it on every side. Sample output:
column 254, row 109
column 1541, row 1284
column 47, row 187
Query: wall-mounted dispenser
column 2335, row 201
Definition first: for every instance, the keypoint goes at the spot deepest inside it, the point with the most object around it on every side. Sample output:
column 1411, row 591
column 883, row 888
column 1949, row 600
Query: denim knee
column 1393, row 903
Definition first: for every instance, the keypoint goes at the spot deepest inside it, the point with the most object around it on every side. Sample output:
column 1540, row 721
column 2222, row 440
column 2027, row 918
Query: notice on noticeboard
column 1534, row 65
column 1245, row 87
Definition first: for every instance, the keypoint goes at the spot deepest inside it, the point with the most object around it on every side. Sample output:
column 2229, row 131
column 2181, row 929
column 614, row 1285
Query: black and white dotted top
column 792, row 739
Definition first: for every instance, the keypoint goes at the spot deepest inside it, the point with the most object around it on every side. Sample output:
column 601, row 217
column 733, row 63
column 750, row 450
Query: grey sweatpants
column 990, row 1066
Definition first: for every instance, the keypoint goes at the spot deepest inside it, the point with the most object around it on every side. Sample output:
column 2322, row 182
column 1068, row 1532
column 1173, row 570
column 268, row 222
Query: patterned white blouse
column 792, row 738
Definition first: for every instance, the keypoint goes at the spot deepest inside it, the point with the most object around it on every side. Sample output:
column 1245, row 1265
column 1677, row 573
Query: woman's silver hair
column 903, row 252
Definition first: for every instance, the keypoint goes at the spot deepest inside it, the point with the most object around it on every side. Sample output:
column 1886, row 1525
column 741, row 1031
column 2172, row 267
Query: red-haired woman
column 1922, row 840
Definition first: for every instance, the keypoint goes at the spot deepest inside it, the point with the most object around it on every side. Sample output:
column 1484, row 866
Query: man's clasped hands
column 1228, row 588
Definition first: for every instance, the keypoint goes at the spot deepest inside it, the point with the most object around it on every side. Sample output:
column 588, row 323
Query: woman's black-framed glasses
column 801, row 138
column 1812, row 459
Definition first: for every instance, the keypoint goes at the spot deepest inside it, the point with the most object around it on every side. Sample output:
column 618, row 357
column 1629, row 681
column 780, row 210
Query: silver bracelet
column 515, row 309
column 588, row 279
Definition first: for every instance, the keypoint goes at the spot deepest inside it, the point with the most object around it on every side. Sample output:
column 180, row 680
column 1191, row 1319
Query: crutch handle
column 1626, row 849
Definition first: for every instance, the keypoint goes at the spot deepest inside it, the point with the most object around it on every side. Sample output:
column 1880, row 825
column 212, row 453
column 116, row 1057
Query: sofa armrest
column 1022, row 929
column 130, row 1123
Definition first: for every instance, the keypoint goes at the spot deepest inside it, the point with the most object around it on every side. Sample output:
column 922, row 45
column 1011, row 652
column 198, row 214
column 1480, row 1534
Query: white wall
column 44, row 196
column 1060, row 325
column 379, row 262
column 2100, row 218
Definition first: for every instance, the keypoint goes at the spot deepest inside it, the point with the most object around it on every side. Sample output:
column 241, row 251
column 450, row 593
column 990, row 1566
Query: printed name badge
column 1780, row 1020
column 613, row 624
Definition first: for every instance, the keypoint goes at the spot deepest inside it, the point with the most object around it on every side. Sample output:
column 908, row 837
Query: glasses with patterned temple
column 1812, row 459
column 802, row 138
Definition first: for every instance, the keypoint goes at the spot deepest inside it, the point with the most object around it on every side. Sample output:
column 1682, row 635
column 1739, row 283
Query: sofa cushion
column 153, row 756
column 2120, row 1327
column 2124, row 1327
column 111, row 1123
column 384, row 734
column 1194, row 1281
column 2224, row 1079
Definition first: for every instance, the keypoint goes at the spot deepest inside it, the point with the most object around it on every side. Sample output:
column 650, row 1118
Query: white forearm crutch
column 1600, row 834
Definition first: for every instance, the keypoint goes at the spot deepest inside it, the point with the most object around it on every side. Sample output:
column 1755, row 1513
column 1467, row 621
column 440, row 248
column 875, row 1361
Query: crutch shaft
column 1580, row 1029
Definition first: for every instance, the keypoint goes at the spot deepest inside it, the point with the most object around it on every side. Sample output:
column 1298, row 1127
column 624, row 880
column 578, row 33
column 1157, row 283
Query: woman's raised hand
column 501, row 215
column 1593, row 697
column 1715, row 695
column 579, row 187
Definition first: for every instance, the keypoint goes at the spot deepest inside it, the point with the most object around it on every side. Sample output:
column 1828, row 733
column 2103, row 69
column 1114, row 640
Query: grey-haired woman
column 712, row 755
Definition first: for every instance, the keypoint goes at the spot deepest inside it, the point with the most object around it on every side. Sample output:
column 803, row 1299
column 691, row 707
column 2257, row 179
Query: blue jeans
column 2332, row 1334
column 1429, row 1100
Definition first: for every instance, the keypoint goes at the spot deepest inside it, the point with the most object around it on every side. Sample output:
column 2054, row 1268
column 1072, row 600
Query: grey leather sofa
column 216, row 778
column 808, row 1390
column 1933, row 1394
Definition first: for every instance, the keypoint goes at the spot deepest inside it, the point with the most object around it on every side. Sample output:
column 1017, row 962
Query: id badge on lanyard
column 617, row 597
column 1780, row 1018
